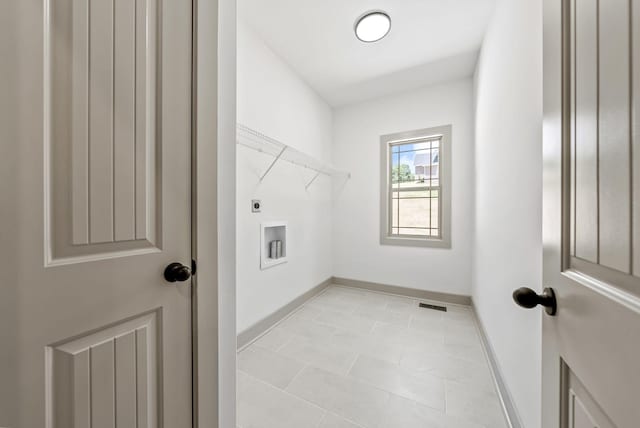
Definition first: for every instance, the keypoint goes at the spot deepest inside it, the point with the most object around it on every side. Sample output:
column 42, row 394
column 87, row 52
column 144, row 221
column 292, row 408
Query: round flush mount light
column 372, row 26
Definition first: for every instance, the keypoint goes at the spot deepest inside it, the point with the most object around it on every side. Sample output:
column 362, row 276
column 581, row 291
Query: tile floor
column 351, row 358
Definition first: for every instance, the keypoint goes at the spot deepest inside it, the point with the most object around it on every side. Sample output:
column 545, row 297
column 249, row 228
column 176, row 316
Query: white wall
column 508, row 231
column 272, row 99
column 356, row 232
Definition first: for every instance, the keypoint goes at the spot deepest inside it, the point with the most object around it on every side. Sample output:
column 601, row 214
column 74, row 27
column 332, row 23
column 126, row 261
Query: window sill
column 415, row 242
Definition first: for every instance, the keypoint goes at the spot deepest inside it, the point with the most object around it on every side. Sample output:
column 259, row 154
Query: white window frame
column 445, row 164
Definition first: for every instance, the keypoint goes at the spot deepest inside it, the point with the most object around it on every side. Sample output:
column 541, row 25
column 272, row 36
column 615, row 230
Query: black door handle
column 177, row 272
column 527, row 298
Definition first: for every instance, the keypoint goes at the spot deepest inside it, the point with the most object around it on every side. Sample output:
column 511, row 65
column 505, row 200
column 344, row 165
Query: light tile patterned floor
column 351, row 358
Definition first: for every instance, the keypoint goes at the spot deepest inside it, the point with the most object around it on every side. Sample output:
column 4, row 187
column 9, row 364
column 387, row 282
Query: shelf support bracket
column 273, row 163
column 312, row 180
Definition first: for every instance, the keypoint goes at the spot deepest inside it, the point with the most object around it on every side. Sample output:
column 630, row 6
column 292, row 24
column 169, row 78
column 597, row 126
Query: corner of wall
column 302, row 120
column 357, row 130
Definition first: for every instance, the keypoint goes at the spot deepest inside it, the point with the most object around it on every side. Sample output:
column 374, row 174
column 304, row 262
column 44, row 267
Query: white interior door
column 99, row 93
column 591, row 348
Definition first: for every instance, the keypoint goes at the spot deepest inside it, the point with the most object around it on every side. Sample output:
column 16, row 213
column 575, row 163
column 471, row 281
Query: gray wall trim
column 258, row 329
column 506, row 399
column 458, row 299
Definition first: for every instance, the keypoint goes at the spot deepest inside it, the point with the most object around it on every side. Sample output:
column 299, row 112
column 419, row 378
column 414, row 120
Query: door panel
column 614, row 135
column 582, row 410
column 105, row 377
column 590, row 349
column 595, row 335
column 92, row 335
column 600, row 127
column 104, row 170
column 585, row 129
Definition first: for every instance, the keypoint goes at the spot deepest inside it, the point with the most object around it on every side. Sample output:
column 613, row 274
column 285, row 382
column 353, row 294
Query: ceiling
column 430, row 41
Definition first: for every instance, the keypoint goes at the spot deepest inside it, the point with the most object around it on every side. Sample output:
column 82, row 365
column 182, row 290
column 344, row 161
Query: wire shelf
column 262, row 143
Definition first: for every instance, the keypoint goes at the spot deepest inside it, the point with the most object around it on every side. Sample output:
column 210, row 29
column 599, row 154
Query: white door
column 95, row 203
column 591, row 348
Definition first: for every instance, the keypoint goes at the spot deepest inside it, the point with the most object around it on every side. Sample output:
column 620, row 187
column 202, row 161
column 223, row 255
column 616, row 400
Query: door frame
column 554, row 209
column 213, row 213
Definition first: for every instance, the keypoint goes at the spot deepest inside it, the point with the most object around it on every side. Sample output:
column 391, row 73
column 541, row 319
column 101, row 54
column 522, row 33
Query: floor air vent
column 434, row 307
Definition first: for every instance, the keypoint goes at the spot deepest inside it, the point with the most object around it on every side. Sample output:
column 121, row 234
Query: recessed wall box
column 273, row 233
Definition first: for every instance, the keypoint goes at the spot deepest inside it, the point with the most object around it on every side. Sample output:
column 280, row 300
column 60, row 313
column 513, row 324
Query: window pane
column 416, row 209
column 413, row 146
column 435, row 163
column 402, row 172
column 415, row 180
column 419, row 232
column 435, row 217
column 394, row 213
column 413, row 212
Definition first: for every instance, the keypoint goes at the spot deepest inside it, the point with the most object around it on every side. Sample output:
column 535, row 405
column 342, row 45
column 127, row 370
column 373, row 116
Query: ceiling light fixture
column 372, row 26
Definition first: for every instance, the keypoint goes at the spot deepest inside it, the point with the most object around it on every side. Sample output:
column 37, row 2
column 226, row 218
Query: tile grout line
column 273, row 327
column 346, row 419
column 351, row 378
column 365, row 382
column 295, row 376
column 353, row 363
column 288, row 393
column 324, row 417
column 362, row 382
column 446, row 322
column 281, row 347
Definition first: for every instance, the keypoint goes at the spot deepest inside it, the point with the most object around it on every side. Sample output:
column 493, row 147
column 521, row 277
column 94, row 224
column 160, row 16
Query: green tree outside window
column 401, row 173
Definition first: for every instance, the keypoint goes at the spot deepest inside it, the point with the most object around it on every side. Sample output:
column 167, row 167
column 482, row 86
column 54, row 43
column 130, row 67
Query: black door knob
column 177, row 272
column 527, row 298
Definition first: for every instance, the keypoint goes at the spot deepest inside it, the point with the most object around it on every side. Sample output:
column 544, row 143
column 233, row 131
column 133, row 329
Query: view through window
column 415, row 188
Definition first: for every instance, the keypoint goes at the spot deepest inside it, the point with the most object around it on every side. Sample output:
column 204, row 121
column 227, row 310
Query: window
column 416, row 193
